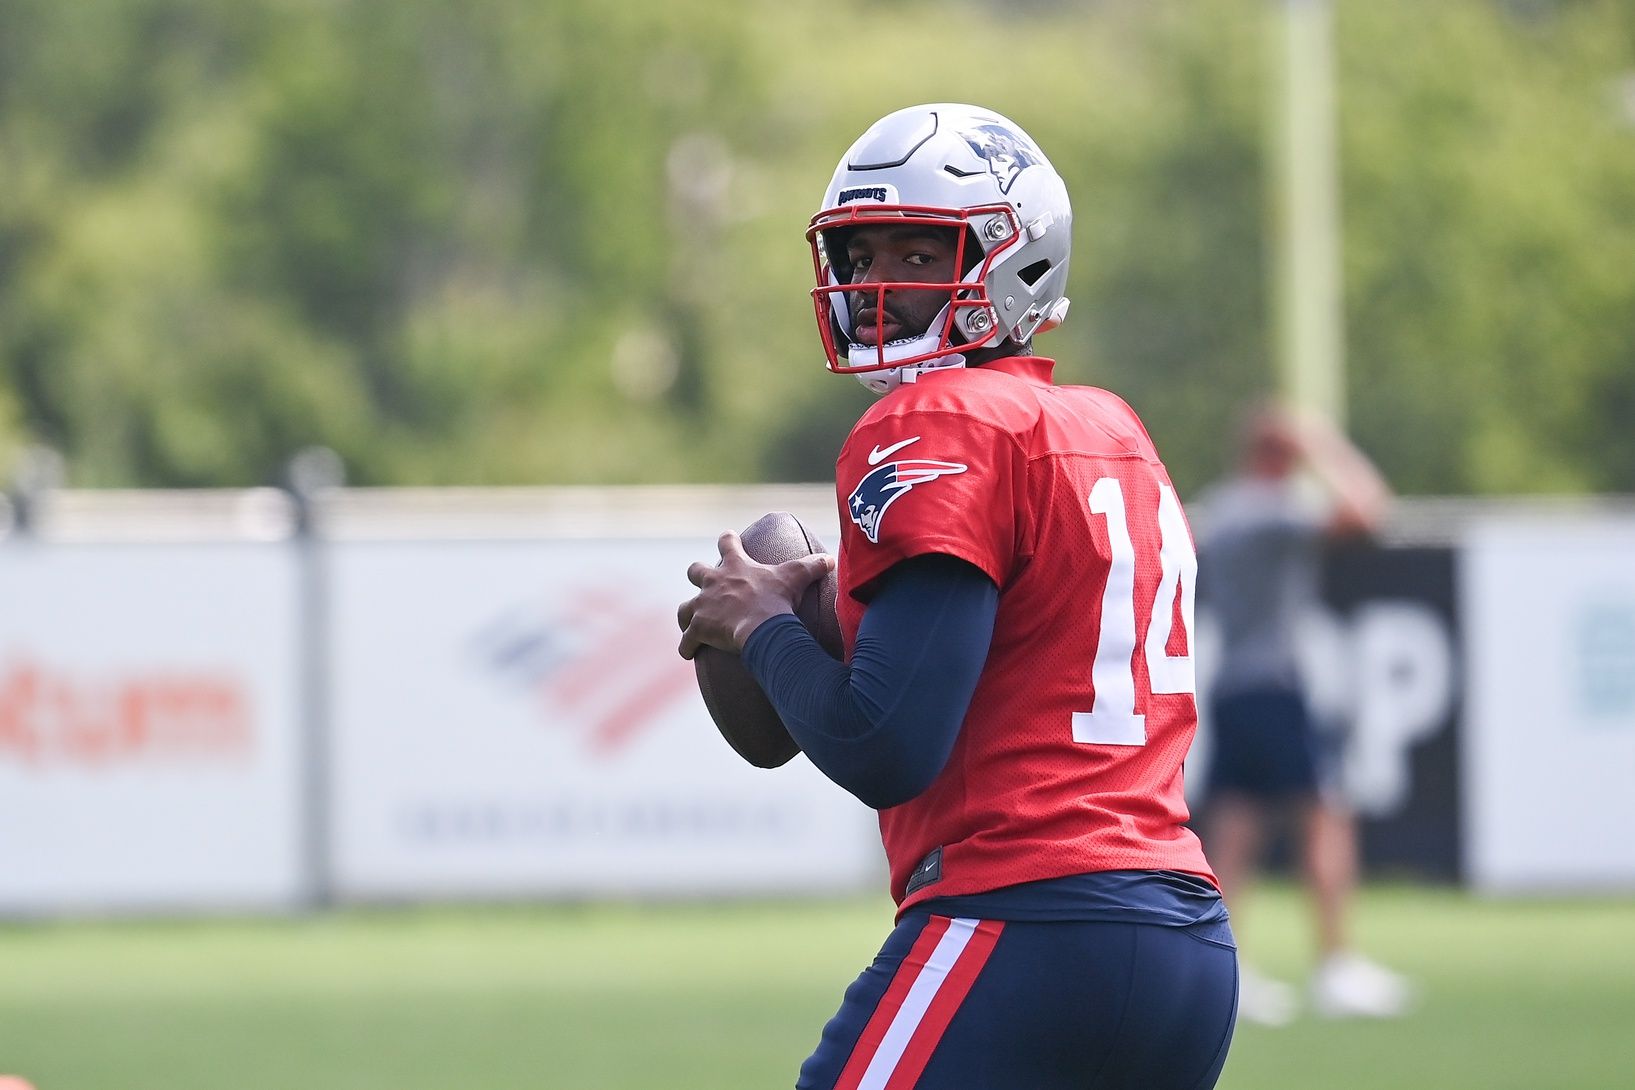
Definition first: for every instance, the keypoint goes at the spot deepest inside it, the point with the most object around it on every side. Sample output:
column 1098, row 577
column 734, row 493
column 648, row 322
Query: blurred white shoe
column 1350, row 986
column 1265, row 1001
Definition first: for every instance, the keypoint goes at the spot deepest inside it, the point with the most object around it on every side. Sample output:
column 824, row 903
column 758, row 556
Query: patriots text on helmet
column 882, row 194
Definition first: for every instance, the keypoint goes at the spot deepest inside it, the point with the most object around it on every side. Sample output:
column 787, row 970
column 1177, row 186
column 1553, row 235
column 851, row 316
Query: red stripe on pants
column 952, row 993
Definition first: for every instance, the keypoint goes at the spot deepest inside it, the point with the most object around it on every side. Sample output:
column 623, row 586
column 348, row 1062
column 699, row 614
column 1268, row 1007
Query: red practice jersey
column 1069, row 759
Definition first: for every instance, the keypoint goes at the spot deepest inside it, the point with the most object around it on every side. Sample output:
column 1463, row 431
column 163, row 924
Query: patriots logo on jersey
column 881, row 487
column 1006, row 155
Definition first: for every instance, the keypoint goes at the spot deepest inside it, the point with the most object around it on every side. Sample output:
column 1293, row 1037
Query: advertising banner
column 1395, row 687
column 512, row 719
column 415, row 716
column 1380, row 658
column 1550, row 753
column 148, row 727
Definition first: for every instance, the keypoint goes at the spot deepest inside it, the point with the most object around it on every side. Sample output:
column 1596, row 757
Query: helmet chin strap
column 885, row 381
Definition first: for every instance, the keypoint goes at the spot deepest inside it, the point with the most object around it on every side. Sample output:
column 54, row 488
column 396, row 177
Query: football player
column 1016, row 579
column 1260, row 540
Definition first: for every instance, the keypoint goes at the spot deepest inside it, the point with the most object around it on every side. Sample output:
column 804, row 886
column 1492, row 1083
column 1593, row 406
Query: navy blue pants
column 1266, row 746
column 965, row 1004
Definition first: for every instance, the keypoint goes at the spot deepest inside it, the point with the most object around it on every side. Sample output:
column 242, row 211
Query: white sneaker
column 1350, row 986
column 1265, row 1001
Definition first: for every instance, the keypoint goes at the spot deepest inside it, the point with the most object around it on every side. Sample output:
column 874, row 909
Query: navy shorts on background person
column 1265, row 744
column 954, row 1003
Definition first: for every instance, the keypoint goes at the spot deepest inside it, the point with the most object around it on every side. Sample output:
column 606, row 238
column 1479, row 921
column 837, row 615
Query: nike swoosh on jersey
column 878, row 455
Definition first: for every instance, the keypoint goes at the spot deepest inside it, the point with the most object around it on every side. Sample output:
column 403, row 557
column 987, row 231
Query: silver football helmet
column 947, row 165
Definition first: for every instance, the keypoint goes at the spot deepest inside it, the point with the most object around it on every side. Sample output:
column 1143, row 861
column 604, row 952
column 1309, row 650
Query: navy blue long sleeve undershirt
column 883, row 725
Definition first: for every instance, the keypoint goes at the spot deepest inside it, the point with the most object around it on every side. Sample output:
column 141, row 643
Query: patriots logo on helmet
column 1006, row 154
column 883, row 485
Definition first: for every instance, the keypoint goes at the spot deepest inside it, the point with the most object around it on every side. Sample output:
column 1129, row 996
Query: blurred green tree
column 517, row 242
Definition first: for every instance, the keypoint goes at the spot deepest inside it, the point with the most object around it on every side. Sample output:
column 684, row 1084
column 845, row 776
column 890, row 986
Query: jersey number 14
column 1112, row 718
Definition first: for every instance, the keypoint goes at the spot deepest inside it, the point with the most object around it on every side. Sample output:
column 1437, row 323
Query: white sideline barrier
column 500, row 712
column 492, row 680
column 148, row 727
column 511, row 718
column 1549, row 755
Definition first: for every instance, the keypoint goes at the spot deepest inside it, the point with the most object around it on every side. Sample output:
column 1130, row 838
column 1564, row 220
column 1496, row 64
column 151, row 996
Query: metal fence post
column 313, row 473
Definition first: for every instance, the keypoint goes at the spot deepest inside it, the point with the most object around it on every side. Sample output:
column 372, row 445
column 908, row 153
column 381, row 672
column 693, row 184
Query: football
column 742, row 713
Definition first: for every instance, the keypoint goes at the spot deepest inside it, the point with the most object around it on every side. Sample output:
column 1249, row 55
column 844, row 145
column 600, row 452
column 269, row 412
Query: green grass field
column 1531, row 995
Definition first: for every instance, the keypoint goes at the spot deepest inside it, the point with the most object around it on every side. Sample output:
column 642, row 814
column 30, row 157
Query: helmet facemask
column 966, row 321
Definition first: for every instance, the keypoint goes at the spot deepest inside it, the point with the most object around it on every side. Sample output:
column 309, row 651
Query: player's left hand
column 737, row 595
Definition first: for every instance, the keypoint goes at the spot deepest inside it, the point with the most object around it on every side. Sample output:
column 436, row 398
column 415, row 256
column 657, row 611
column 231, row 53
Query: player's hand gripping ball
column 742, row 712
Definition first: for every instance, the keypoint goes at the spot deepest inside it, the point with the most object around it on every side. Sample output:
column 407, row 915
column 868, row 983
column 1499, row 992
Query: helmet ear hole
column 1032, row 274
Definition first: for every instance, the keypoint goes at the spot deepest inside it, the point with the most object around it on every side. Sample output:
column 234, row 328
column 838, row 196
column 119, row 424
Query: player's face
column 907, row 253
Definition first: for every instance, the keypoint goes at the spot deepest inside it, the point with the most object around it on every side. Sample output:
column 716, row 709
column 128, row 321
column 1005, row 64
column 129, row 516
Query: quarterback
column 1016, row 595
